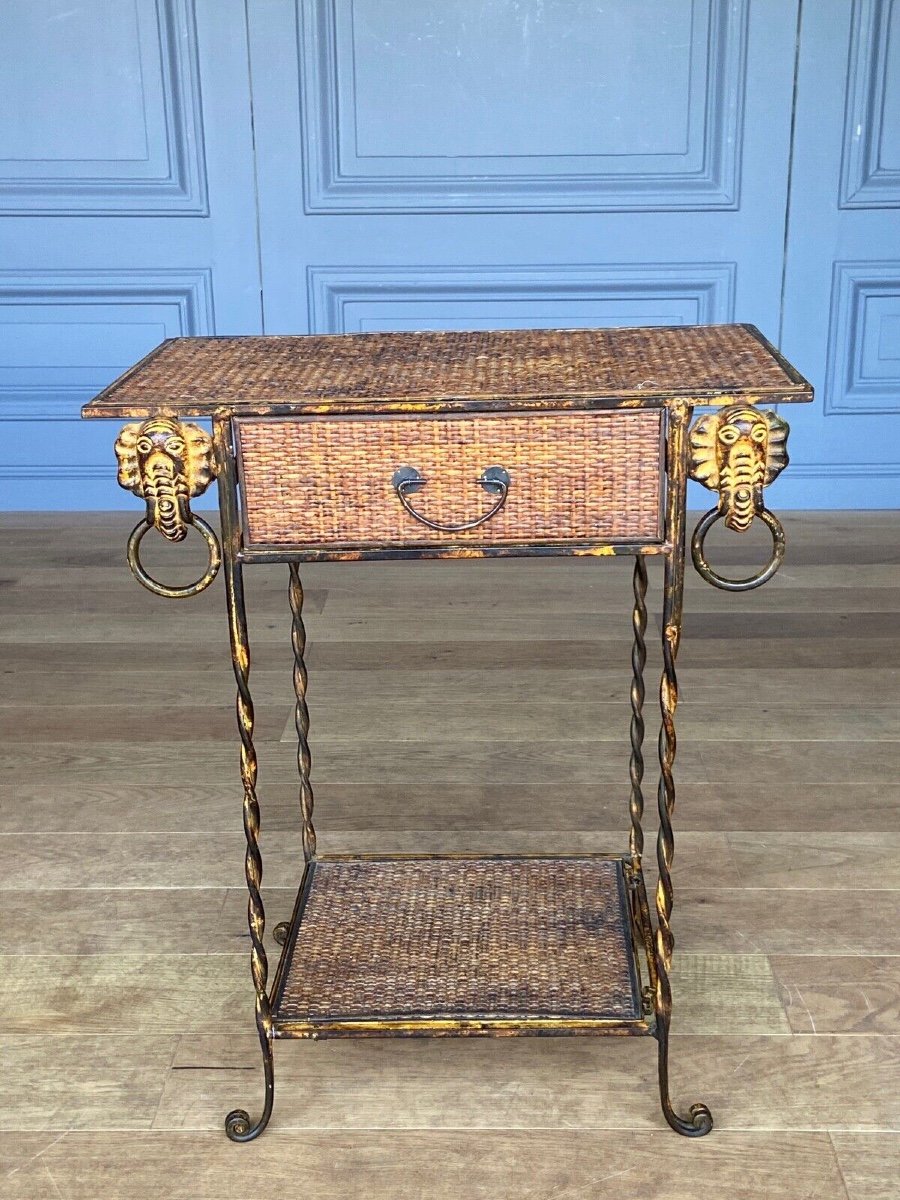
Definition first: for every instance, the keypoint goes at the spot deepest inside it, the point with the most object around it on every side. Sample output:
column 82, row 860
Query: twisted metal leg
column 699, row 1120
column 638, row 662
column 301, row 712
column 238, row 1125
column 636, row 768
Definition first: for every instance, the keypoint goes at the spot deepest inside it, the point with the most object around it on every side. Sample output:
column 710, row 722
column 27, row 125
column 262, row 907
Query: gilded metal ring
column 706, row 572
column 494, row 480
column 161, row 589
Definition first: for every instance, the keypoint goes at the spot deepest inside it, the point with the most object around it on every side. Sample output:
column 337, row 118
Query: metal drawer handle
column 494, row 480
column 133, row 555
column 705, row 571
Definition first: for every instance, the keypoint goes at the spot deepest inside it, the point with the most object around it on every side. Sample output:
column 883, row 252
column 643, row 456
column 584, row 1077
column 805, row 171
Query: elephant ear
column 129, row 476
column 201, row 467
column 776, row 453
column 704, row 464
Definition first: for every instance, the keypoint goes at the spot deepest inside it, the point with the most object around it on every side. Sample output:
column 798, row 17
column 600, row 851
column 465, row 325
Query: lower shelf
column 461, row 945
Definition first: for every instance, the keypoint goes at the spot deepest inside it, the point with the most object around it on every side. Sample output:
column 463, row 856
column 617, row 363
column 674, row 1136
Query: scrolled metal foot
column 699, row 1124
column 238, row 1125
column 280, row 932
column 239, row 1128
column 699, row 1121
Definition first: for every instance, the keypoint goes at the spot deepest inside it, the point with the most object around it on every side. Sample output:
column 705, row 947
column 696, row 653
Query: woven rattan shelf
column 462, row 945
column 459, row 445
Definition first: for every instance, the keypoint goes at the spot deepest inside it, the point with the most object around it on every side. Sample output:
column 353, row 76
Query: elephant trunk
column 166, row 493
column 741, row 482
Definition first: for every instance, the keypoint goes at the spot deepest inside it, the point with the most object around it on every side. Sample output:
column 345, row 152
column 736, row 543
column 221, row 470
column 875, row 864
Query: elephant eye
column 175, row 445
column 759, row 433
column 144, row 445
column 728, row 434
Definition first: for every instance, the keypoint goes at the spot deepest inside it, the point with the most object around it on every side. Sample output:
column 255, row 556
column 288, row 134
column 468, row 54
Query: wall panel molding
column 350, row 299
column 163, row 303
column 863, row 371
column 865, row 181
column 845, row 470
column 171, row 178
column 341, row 178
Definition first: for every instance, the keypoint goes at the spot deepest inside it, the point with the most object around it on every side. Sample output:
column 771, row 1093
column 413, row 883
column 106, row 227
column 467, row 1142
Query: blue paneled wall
column 197, row 166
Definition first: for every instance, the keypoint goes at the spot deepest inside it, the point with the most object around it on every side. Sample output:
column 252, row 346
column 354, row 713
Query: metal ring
column 160, row 589
column 706, row 572
column 494, row 480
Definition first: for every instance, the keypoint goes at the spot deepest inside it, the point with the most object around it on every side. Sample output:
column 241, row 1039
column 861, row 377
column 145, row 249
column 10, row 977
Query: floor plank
column 115, row 802
column 397, row 1165
column 95, row 1081
column 203, row 993
column 789, row 1082
column 849, row 993
column 207, row 860
column 869, row 1163
column 479, row 705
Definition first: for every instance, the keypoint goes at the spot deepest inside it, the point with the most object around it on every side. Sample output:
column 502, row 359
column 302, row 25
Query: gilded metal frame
column 652, row 941
column 654, row 945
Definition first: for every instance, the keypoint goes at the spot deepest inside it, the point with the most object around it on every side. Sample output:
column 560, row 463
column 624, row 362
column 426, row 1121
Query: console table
column 459, row 445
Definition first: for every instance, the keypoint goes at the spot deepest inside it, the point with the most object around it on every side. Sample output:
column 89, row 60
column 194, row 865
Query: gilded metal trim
column 748, row 582
column 301, row 713
column 738, row 452
column 638, row 662
column 434, row 1027
column 699, row 1120
column 238, row 1125
column 166, row 462
column 133, row 556
column 288, row 554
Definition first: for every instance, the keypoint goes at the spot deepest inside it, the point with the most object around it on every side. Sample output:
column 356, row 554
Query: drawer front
column 583, row 476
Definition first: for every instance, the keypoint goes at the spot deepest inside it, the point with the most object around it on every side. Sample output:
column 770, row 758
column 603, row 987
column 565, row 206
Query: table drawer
column 332, row 481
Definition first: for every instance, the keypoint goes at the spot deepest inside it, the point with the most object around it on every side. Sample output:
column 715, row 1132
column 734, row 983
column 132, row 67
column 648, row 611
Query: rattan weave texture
column 458, row 938
column 576, row 475
column 247, row 374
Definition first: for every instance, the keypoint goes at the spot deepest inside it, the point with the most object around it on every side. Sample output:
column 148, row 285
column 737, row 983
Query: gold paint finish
column 738, row 452
column 166, row 462
column 473, row 382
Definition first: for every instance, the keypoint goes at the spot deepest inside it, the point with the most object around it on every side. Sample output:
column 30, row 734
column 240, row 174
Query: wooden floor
column 469, row 705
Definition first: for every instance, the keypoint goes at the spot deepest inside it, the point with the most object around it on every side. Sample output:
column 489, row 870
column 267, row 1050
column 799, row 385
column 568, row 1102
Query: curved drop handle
column 494, row 480
column 706, row 572
column 162, row 589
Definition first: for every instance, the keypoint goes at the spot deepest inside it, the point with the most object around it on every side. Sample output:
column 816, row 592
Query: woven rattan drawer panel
column 577, row 476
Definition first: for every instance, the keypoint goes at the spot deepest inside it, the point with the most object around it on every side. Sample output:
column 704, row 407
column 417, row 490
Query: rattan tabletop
column 447, row 371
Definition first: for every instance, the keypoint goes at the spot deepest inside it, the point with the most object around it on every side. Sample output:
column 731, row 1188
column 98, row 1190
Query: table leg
column 641, row 914
column 699, row 1120
column 301, row 712
column 238, row 1125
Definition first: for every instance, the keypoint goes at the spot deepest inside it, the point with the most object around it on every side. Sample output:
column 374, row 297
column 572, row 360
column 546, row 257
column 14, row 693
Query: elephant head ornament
column 737, row 452
column 166, row 461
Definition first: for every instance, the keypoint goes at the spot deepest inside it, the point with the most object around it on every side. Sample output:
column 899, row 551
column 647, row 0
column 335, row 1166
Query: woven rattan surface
column 574, row 475
column 199, row 376
column 462, row 938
